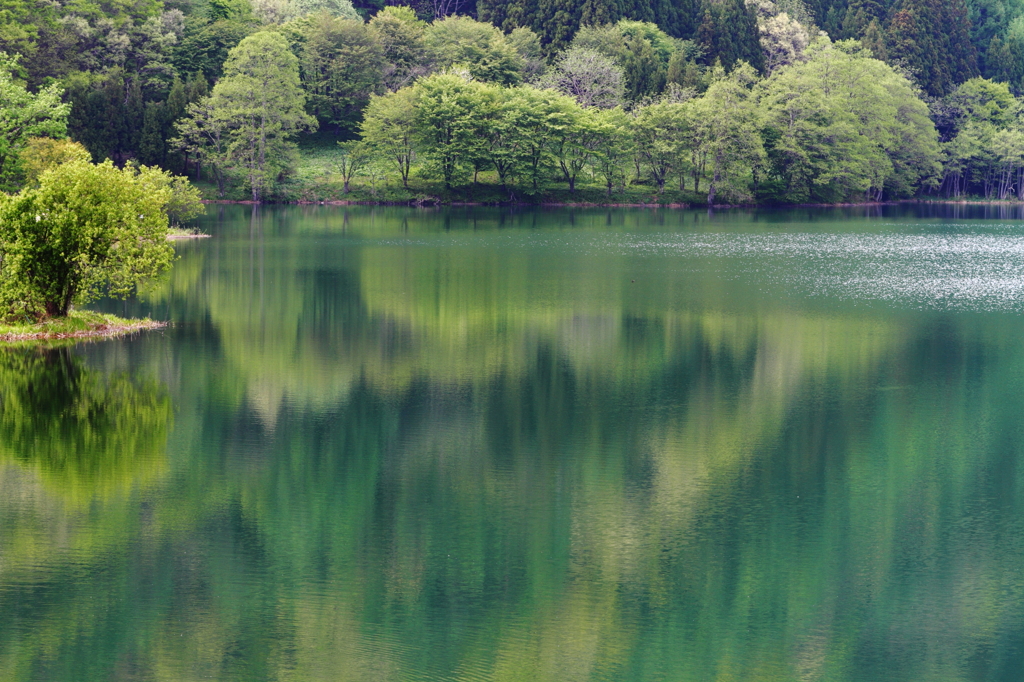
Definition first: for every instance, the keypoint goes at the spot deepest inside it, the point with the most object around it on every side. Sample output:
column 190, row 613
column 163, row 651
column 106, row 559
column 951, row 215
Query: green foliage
column 184, row 201
column 932, row 38
column 557, row 21
column 107, row 114
column 613, row 147
column 983, row 140
column 449, row 115
column 664, row 139
column 981, row 100
column 726, row 123
column 341, row 66
column 641, row 50
column 728, row 33
column 281, row 11
column 476, row 46
column 86, row 230
column 389, row 129
column 255, row 109
column 400, row 35
column 352, row 157
column 846, row 126
column 205, row 44
column 43, row 153
column 203, row 133
column 590, row 77
column 134, row 73
column 24, row 115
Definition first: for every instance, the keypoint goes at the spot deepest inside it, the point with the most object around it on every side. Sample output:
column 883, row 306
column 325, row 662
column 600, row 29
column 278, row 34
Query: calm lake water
column 544, row 446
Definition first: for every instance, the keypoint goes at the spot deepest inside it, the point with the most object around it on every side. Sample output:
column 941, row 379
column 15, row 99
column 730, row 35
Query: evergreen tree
column 932, row 37
column 874, row 40
column 153, row 139
column 645, row 73
column 860, row 14
column 728, row 32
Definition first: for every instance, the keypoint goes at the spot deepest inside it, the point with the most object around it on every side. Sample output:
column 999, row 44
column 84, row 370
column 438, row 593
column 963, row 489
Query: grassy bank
column 316, row 179
column 80, row 324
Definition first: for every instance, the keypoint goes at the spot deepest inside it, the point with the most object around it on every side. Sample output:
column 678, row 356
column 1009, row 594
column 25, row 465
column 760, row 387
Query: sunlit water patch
column 949, row 271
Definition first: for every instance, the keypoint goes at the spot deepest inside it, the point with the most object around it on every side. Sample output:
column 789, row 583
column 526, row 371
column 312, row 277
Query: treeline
column 169, row 84
column 943, row 42
column 836, row 126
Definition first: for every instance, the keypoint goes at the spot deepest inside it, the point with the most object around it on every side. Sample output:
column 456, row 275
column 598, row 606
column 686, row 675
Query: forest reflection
column 83, row 434
column 421, row 463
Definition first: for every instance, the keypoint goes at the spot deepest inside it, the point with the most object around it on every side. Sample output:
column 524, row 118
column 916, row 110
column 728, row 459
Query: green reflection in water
column 454, row 446
column 83, row 434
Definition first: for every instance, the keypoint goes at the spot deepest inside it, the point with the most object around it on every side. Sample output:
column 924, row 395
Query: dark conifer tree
column 933, row 38
column 153, row 141
column 874, row 39
column 860, row 14
column 599, row 12
column 1005, row 62
column 728, row 32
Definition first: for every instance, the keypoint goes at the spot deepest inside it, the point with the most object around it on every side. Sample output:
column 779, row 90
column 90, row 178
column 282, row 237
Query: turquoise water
column 481, row 444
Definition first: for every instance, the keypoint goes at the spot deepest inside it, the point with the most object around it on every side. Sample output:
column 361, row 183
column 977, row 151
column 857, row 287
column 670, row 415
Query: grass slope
column 80, row 324
column 316, row 179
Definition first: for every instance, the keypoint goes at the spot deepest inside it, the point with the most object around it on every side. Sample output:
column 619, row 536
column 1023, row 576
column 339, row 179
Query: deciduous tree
column 259, row 106
column 24, row 115
column 86, row 230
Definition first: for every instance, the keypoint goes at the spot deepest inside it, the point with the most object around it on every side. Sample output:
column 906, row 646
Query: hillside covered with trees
column 717, row 100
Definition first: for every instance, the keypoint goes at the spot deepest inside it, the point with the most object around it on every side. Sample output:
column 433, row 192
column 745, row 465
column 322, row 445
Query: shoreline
column 105, row 327
column 418, row 203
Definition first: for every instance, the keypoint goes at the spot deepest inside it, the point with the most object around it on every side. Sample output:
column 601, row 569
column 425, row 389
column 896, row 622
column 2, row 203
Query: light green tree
column 86, row 230
column 203, row 133
column 662, row 134
column 389, row 129
column 449, row 123
column 399, row 32
column 43, row 153
column 613, row 146
column 522, row 129
column 968, row 158
column 727, row 127
column 528, row 45
column 576, row 138
column 24, row 115
column 280, row 11
column 1008, row 148
column 592, row 78
column 259, row 104
column 842, row 125
column 478, row 46
column 341, row 66
column 352, row 157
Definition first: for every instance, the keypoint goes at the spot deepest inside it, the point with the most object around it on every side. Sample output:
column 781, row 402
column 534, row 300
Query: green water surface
column 540, row 446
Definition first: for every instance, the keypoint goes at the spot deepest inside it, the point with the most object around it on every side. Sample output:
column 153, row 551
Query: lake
column 476, row 444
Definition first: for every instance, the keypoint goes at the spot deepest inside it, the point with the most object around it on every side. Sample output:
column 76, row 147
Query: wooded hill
column 148, row 81
column 944, row 42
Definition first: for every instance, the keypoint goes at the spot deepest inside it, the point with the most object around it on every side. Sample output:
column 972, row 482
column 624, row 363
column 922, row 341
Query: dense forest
column 728, row 100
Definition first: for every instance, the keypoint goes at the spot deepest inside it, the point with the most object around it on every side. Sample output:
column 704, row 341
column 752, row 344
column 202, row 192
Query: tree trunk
column 713, row 189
